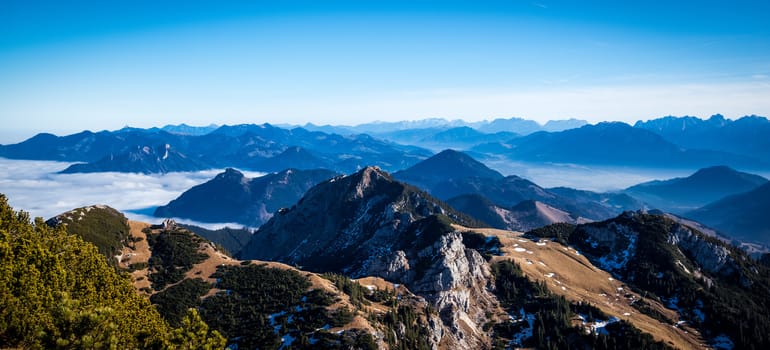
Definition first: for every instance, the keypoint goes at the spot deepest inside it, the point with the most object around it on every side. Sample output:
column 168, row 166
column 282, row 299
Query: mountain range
column 630, row 275
column 669, row 142
column 256, row 147
column 370, row 262
column 613, row 143
column 745, row 136
column 514, row 125
column 450, row 173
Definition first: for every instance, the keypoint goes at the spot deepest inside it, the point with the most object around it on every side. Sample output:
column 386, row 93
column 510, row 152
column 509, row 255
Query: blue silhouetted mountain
column 741, row 216
column 594, row 205
column 232, row 197
column 85, row 146
column 611, row 144
column 450, row 174
column 184, row 129
column 704, row 186
column 143, row 159
column 748, row 136
column 293, row 157
column 515, row 125
column 445, row 166
column 256, row 147
column 561, row 125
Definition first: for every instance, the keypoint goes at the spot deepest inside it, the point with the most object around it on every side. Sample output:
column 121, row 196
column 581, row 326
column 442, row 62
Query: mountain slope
column 258, row 147
column 612, row 144
column 144, row 159
column 741, row 216
column 232, row 197
column 58, row 291
column 450, row 174
column 333, row 222
column 745, row 136
column 444, row 166
column 524, row 216
column 703, row 187
column 512, row 190
column 597, row 300
column 294, row 158
column 448, row 295
column 715, row 287
column 369, row 224
column 265, row 304
column 85, row 146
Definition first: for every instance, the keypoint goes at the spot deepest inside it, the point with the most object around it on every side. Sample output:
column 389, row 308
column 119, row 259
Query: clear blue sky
column 74, row 65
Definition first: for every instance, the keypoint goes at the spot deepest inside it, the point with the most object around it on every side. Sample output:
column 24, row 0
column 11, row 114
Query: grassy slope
column 578, row 280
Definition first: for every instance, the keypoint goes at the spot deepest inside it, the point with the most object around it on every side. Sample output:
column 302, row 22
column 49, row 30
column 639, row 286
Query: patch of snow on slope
column 599, row 327
column 526, row 332
column 723, row 342
column 617, row 261
column 286, row 341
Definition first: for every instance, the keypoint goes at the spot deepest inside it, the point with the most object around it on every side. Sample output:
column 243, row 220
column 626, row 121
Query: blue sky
column 74, row 65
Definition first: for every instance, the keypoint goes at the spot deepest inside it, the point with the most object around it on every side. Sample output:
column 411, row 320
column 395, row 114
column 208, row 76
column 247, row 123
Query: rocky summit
column 368, row 224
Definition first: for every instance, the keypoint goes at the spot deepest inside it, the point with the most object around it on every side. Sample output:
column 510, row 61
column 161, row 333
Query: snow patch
column 599, row 327
column 286, row 341
column 699, row 315
column 723, row 342
column 526, row 332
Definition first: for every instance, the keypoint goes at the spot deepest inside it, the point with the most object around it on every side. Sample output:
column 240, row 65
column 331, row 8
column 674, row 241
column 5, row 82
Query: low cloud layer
column 35, row 187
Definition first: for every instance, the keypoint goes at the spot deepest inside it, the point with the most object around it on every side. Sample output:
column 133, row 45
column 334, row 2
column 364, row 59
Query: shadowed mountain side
column 612, row 143
column 704, row 186
column 232, row 197
column 746, row 136
column 525, row 216
column 450, row 174
column 255, row 147
column 147, row 160
column 445, row 166
column 337, row 223
column 742, row 216
column 714, row 286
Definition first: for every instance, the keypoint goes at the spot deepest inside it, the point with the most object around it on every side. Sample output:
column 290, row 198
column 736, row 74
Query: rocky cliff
column 367, row 224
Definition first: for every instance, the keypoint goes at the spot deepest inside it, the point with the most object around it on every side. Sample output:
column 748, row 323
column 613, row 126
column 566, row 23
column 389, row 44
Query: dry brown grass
column 139, row 253
column 568, row 273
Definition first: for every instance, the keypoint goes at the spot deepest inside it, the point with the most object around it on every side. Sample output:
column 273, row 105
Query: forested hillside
column 58, row 291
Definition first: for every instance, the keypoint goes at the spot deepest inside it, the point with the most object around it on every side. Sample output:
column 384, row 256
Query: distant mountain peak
column 233, row 197
column 706, row 185
column 447, row 164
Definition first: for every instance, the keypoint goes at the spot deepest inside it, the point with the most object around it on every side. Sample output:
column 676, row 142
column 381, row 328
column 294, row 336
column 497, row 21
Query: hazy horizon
column 15, row 136
column 103, row 65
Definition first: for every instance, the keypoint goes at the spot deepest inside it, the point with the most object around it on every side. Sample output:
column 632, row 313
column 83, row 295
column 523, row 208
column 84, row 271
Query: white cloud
column 35, row 187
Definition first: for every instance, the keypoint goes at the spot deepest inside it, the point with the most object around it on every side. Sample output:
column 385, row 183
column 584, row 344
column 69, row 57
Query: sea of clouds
column 37, row 188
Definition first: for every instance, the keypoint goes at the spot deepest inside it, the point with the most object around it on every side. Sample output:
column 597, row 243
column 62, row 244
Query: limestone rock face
column 457, row 284
column 454, row 280
column 709, row 255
